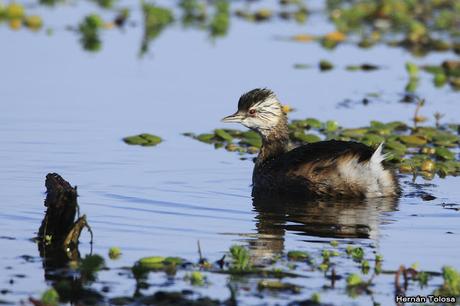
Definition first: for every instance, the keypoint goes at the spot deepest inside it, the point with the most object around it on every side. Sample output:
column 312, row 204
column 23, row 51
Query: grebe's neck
column 275, row 142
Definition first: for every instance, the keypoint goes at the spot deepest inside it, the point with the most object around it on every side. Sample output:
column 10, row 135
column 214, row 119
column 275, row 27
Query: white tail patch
column 371, row 175
column 378, row 157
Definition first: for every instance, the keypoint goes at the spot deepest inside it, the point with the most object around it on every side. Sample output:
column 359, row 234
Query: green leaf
column 444, row 153
column 413, row 140
column 412, row 70
column 207, row 138
column 143, row 140
column 114, row 252
column 50, row 297
column 309, row 138
column 325, row 65
column 331, row 126
column 298, row 255
column 354, row 280
column 223, row 135
column 153, row 262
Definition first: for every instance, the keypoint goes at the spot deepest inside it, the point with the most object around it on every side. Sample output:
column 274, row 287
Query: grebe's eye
column 252, row 111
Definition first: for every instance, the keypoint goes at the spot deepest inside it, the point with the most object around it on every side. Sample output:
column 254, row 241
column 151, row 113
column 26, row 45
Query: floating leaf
column 298, row 255
column 151, row 261
column 372, row 139
column 114, row 252
column 325, row 65
column 143, row 140
column 335, row 36
column 354, row 280
column 427, row 165
column 196, row 278
column 207, row 138
column 277, row 286
column 439, row 79
column 50, row 297
column 303, row 37
column 396, row 146
column 33, row 22
column 331, row 126
column 223, row 135
column 14, row 11
column 412, row 70
column 354, row 133
column 309, row 138
column 444, row 153
column 413, row 140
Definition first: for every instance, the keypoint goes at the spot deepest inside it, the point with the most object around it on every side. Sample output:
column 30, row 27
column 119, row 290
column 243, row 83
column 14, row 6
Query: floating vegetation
column 114, row 253
column 146, row 140
column 298, row 255
column 362, row 67
column 84, row 280
column 424, row 25
column 16, row 17
column 447, row 72
column 328, row 41
column 325, row 65
column 107, row 4
column 276, row 285
column 268, row 278
column 50, row 297
column 240, row 259
column 89, row 30
column 220, row 22
column 451, row 284
column 290, row 10
column 423, row 150
column 156, row 19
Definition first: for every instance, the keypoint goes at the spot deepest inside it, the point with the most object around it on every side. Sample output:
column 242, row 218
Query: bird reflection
column 317, row 218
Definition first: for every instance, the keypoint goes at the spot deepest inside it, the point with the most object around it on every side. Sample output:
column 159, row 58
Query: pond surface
column 65, row 110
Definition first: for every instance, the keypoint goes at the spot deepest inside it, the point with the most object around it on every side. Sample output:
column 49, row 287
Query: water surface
column 65, row 110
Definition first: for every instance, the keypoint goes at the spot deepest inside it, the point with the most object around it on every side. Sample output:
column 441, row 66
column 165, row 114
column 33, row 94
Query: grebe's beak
column 235, row 118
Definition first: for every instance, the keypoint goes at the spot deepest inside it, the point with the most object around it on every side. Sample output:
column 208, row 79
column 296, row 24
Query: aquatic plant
column 105, row 3
column 50, row 297
column 220, row 22
column 240, row 258
column 89, row 30
column 276, row 285
column 156, row 19
column 145, row 139
column 298, row 255
column 425, row 25
column 16, row 16
column 325, row 65
column 448, row 72
column 451, row 285
column 89, row 266
column 419, row 150
column 196, row 278
column 114, row 252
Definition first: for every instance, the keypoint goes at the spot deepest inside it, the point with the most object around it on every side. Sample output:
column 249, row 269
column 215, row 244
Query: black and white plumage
column 338, row 169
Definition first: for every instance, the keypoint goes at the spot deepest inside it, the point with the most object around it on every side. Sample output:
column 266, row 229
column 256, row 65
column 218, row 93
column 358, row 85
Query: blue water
column 65, row 110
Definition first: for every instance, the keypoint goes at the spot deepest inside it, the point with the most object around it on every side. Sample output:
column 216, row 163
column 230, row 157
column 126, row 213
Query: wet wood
column 61, row 203
column 59, row 229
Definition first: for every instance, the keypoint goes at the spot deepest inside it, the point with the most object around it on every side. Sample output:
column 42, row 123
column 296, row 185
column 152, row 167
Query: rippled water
column 63, row 110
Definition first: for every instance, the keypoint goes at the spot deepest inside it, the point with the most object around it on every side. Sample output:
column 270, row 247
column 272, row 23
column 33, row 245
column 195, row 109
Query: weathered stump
column 61, row 203
column 59, row 232
column 58, row 237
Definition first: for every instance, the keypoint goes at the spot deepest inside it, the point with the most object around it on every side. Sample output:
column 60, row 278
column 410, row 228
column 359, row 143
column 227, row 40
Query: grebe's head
column 259, row 110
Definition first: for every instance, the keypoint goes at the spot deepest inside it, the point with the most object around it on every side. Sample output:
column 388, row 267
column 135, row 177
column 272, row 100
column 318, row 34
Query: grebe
column 336, row 169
